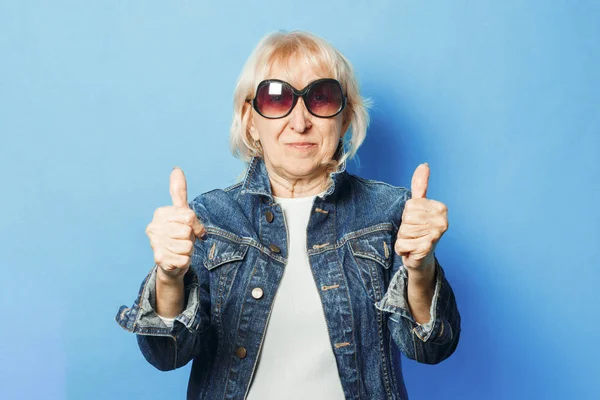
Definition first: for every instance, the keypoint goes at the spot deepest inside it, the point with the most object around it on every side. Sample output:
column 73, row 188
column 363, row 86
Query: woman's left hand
column 424, row 221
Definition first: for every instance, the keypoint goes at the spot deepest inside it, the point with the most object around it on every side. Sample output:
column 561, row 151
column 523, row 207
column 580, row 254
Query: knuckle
column 397, row 248
column 186, row 230
column 159, row 257
column 401, row 232
column 189, row 247
column 159, row 212
column 410, row 218
column 189, row 217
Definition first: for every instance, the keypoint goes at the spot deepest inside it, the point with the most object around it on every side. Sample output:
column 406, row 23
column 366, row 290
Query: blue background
column 99, row 100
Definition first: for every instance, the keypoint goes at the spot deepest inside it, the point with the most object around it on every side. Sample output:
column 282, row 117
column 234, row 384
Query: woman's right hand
column 173, row 231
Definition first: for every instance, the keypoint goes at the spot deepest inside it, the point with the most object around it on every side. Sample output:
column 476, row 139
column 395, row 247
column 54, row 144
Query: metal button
column 269, row 216
column 241, row 352
column 274, row 248
column 257, row 293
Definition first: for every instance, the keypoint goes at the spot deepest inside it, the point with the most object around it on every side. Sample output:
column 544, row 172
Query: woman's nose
column 300, row 117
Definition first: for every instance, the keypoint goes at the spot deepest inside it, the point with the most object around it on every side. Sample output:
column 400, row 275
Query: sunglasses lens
column 274, row 99
column 325, row 98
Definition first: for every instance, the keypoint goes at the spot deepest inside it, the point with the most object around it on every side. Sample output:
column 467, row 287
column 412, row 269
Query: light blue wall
column 98, row 100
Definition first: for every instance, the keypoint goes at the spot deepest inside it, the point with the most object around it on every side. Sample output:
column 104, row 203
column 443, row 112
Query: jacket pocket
column 372, row 255
column 222, row 251
column 223, row 259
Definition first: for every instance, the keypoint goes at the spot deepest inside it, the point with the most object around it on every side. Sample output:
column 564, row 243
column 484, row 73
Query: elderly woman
column 303, row 281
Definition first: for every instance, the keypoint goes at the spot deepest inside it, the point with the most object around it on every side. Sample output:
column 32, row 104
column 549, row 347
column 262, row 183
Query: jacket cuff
column 395, row 301
column 142, row 318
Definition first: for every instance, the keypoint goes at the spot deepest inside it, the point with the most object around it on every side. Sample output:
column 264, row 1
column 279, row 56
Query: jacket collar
column 257, row 180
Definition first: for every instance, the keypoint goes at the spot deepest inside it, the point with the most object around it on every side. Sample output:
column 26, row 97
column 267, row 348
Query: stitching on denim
column 416, row 332
column 211, row 255
column 341, row 271
column 376, row 182
column 417, row 358
column 234, row 186
column 237, row 334
column 370, row 256
column 174, row 352
column 386, row 378
column 343, row 344
column 250, row 172
column 142, row 295
column 394, row 387
column 386, row 226
column 245, row 240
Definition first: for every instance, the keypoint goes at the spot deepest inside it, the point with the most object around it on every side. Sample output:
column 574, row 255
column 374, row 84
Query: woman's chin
column 300, row 168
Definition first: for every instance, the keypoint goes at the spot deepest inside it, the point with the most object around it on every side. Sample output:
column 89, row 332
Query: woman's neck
column 290, row 187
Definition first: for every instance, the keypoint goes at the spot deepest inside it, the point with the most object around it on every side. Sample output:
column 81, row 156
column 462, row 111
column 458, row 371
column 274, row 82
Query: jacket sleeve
column 429, row 343
column 167, row 348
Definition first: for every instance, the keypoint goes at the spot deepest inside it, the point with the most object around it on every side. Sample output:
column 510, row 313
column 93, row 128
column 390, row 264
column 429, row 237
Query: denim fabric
column 361, row 282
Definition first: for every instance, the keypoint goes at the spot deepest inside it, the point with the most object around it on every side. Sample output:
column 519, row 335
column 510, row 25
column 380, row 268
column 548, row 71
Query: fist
column 424, row 221
column 174, row 230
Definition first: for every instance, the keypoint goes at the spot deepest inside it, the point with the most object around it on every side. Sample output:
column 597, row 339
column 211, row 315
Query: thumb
column 178, row 188
column 420, row 180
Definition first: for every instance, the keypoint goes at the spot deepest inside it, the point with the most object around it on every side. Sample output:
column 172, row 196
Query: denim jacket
column 361, row 281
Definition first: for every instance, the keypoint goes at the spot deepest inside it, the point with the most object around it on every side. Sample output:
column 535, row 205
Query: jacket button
column 241, row 352
column 257, row 293
column 274, row 248
column 269, row 216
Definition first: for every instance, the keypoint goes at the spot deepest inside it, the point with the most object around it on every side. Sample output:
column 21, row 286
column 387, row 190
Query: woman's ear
column 346, row 122
column 248, row 121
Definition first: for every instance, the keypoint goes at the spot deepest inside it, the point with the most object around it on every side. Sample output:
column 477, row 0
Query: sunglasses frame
column 297, row 94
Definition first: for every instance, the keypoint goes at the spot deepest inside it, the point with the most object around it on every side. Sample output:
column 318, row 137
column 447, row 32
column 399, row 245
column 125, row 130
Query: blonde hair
column 316, row 52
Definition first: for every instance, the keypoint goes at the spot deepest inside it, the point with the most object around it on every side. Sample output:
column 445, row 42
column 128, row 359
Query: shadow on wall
column 491, row 352
column 394, row 147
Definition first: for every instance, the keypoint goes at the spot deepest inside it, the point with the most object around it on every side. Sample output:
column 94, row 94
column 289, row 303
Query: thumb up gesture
column 424, row 221
column 174, row 230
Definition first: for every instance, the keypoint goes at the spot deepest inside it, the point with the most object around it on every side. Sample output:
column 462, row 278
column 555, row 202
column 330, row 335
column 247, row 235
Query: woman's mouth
column 301, row 145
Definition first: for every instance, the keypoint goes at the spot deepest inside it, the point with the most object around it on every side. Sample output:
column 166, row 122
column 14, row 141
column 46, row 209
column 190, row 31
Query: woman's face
column 296, row 146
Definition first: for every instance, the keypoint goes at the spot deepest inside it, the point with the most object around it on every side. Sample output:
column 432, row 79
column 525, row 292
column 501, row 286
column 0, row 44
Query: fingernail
column 176, row 166
column 204, row 236
column 426, row 164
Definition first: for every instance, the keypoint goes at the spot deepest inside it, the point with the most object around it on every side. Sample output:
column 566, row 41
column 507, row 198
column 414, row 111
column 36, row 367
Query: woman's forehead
column 299, row 71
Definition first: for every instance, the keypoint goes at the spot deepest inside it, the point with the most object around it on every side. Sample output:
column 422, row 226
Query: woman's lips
column 301, row 145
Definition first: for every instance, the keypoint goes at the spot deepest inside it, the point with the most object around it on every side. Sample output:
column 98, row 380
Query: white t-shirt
column 296, row 360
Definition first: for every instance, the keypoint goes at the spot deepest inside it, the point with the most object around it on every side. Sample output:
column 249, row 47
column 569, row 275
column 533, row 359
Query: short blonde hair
column 316, row 52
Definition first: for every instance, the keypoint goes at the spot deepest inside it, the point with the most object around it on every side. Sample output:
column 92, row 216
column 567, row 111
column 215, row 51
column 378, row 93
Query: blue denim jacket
column 361, row 282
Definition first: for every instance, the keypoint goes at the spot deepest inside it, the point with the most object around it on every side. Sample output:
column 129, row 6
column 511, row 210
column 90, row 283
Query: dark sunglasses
column 275, row 98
